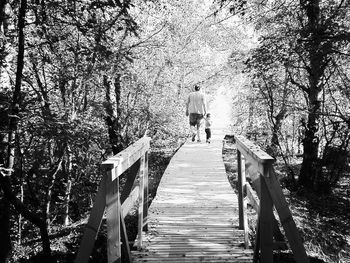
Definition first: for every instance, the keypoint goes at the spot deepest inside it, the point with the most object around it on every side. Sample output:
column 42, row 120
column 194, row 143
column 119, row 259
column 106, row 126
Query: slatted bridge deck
column 194, row 216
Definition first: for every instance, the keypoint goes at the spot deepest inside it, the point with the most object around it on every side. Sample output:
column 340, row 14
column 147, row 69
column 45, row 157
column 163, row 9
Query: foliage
column 97, row 75
column 81, row 80
column 298, row 65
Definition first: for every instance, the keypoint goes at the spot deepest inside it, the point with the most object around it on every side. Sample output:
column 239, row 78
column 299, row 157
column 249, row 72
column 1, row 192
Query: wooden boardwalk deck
column 194, row 216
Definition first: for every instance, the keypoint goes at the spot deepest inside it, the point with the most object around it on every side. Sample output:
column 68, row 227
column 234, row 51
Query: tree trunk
column 5, row 246
column 19, row 234
column 49, row 191
column 309, row 168
column 276, row 129
column 46, row 241
column 68, row 187
column 117, row 125
column 112, row 120
column 27, row 214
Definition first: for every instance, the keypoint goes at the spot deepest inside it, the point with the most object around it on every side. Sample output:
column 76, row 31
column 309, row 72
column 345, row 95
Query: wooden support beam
column 130, row 202
column 255, row 177
column 145, row 203
column 141, row 201
column 242, row 203
column 257, row 241
column 126, row 255
column 286, row 218
column 266, row 221
column 253, row 200
column 241, row 173
column 113, row 211
column 93, row 225
column 130, row 180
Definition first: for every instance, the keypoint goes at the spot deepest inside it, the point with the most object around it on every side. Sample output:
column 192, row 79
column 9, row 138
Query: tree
column 15, row 106
column 306, row 37
column 51, row 119
column 321, row 39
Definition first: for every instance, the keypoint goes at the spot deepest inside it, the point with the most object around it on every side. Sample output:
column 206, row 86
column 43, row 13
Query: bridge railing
column 259, row 165
column 116, row 205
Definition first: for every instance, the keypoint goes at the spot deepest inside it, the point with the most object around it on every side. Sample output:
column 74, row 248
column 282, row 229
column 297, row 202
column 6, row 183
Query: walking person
column 196, row 110
column 208, row 123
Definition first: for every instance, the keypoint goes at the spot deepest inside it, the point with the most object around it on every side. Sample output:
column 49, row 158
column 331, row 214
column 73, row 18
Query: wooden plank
column 243, row 220
column 163, row 253
column 146, row 200
column 286, row 218
column 141, row 201
column 130, row 202
column 123, row 160
column 240, row 173
column 247, row 148
column 182, row 240
column 257, row 241
column 185, row 260
column 194, row 214
column 126, row 255
column 266, row 219
column 253, row 200
column 234, row 258
column 130, row 180
column 93, row 225
column 113, row 211
column 255, row 176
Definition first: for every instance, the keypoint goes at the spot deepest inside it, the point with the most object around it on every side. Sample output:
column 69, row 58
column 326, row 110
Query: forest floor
column 323, row 221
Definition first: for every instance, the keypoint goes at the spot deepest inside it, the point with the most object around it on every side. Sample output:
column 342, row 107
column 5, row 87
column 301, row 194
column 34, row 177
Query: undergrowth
column 65, row 241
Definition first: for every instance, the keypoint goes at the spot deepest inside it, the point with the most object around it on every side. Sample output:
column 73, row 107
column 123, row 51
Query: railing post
column 245, row 217
column 141, row 200
column 266, row 219
column 145, row 203
column 240, row 189
column 113, row 211
column 242, row 203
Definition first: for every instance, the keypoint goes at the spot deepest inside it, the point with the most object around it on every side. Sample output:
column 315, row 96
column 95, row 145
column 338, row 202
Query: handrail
column 259, row 165
column 116, row 205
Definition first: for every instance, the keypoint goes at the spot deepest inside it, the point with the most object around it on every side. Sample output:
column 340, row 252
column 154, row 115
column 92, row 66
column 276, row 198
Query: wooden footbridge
column 196, row 216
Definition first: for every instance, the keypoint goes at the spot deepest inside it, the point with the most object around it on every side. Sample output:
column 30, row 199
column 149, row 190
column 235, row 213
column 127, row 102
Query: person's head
column 197, row 87
column 208, row 115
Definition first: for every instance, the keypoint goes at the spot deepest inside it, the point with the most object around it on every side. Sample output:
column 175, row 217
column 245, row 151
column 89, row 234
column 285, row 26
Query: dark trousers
column 208, row 132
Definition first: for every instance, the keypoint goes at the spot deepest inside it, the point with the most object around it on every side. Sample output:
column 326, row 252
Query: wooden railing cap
column 247, row 147
column 123, row 160
column 126, row 153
